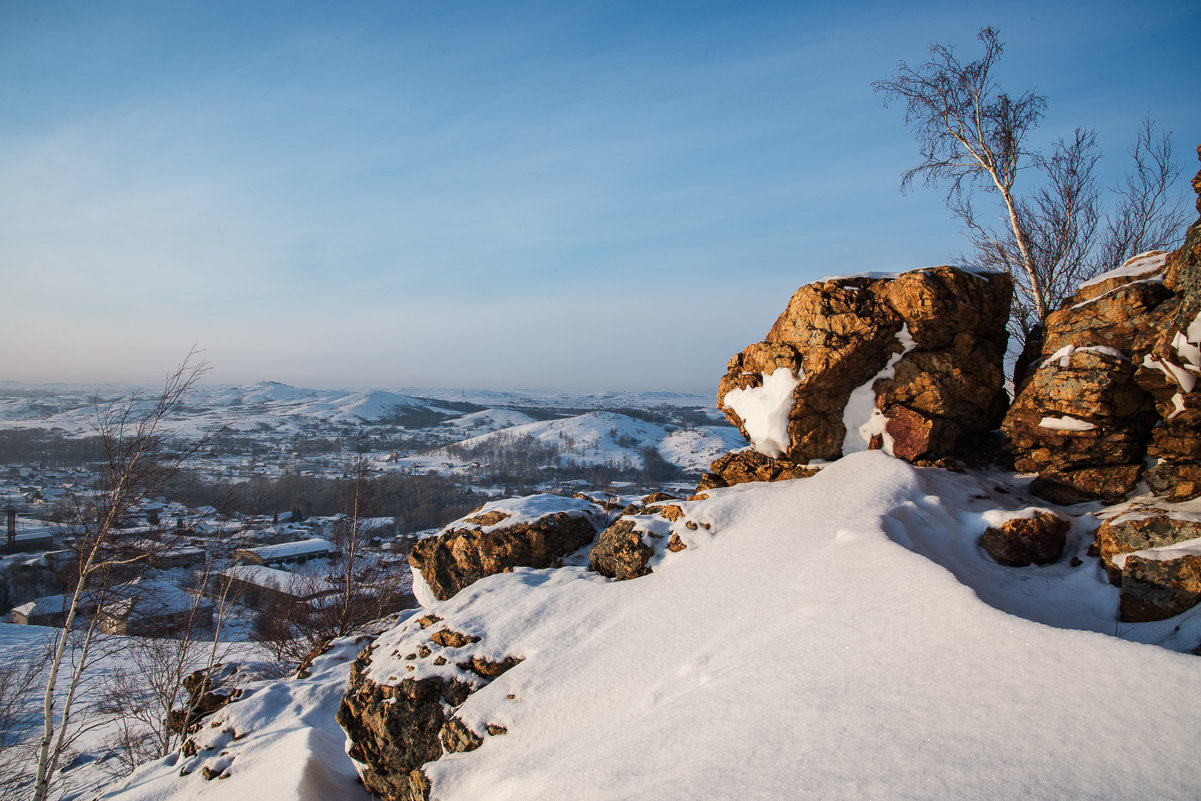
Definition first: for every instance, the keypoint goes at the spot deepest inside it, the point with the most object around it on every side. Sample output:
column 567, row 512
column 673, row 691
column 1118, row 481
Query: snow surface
column 281, row 742
column 836, row 664
column 523, row 510
column 836, row 637
column 764, row 410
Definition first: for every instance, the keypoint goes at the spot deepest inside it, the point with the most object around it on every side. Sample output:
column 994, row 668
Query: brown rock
column 467, row 552
column 670, row 512
column 620, row 553
column 835, row 336
column 1138, row 531
column 1112, row 320
column 489, row 518
column 457, row 738
column 395, row 729
column 1096, row 389
column 675, row 544
column 740, row 467
column 1109, row 483
column 1175, row 482
column 1157, row 590
column 1021, row 541
column 449, row 638
column 486, row 668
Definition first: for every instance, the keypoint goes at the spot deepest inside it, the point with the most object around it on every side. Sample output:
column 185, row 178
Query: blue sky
column 578, row 196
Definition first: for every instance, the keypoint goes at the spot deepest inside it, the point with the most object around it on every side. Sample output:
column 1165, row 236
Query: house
column 154, row 608
column 51, row 610
column 285, row 553
column 260, row 587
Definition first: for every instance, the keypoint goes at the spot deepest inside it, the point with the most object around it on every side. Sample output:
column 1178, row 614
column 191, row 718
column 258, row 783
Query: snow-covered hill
column 597, row 438
column 814, row 642
column 272, row 406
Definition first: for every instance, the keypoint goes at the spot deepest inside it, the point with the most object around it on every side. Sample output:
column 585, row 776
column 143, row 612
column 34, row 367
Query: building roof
column 295, row 584
column 287, row 550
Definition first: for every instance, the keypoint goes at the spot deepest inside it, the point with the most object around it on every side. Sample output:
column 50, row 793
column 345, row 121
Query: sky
column 582, row 196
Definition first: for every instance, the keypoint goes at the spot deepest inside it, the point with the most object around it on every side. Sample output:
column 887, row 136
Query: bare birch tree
column 140, row 456
column 973, row 135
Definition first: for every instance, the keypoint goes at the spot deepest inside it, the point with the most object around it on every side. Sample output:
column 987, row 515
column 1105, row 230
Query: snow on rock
column 798, row 680
column 534, row 531
column 946, row 387
column 861, row 417
column 1143, row 265
column 1066, row 423
column 764, row 410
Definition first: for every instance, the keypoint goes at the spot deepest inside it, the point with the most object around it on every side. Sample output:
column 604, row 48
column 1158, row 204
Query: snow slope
column 837, row 637
column 605, row 438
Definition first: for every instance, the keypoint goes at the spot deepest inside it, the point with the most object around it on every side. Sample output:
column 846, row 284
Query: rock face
column 1116, row 382
column 627, row 549
column 1155, row 557
column 739, row 467
column 521, row 532
column 911, row 364
column 1038, row 539
column 397, row 723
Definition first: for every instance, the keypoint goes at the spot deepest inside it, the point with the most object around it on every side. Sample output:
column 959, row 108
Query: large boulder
column 534, row 531
column 1116, row 380
column 1157, row 589
column 909, row 363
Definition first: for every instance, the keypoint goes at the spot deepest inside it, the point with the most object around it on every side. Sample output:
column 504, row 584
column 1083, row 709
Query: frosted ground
column 838, row 637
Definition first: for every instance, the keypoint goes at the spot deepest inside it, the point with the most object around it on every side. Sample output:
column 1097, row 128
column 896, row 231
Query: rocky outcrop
column 1154, row 556
column 1038, row 539
column 520, row 532
column 739, row 467
column 1116, row 381
column 400, row 710
column 211, row 689
column 910, row 363
column 627, row 549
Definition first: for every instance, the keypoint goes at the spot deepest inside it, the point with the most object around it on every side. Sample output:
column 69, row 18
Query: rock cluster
column 1142, row 554
column 395, row 726
column 628, row 548
column 210, row 689
column 739, row 467
column 1116, row 382
column 521, row 532
column 911, row 364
